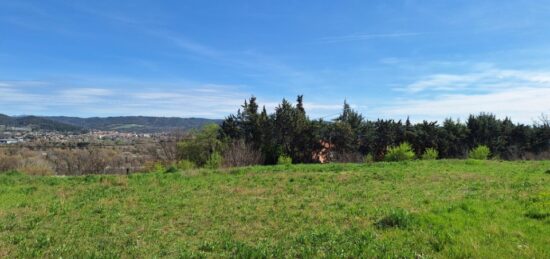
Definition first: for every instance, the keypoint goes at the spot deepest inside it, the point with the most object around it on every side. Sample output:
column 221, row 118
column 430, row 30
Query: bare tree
column 168, row 145
column 238, row 153
column 544, row 120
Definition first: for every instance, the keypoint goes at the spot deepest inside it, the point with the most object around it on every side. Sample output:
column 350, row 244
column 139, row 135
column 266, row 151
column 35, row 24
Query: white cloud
column 85, row 92
column 79, row 96
column 324, row 107
column 487, row 80
column 520, row 94
column 10, row 93
column 188, row 99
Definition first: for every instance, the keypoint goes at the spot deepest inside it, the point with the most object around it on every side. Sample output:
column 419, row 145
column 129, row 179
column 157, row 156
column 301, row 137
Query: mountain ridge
column 37, row 123
column 138, row 124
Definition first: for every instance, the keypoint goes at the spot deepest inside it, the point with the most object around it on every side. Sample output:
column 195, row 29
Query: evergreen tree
column 453, row 140
column 426, row 136
column 347, row 130
column 290, row 132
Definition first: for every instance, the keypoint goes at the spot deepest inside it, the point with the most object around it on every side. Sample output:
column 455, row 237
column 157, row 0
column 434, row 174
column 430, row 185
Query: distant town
column 63, row 131
column 22, row 135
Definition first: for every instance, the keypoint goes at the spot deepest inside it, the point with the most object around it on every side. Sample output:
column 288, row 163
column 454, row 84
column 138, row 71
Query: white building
column 8, row 141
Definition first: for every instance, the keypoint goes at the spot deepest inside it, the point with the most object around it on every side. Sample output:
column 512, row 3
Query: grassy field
column 423, row 209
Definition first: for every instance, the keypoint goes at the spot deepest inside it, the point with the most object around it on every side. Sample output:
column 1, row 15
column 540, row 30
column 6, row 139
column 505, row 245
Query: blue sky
column 389, row 59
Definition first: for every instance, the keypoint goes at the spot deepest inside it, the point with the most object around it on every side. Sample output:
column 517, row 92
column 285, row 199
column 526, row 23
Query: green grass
column 483, row 209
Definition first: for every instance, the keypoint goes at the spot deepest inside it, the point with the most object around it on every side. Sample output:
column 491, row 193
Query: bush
column 402, row 152
column 481, row 152
column 185, row 165
column 238, row 153
column 171, row 169
column 159, row 167
column 214, row 162
column 430, row 154
column 284, row 160
column 199, row 145
column 347, row 157
column 9, row 162
column 369, row 158
column 36, row 166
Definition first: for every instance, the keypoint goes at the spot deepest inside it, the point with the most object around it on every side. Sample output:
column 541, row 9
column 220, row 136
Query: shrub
column 430, row 154
column 9, row 162
column 284, row 160
column 89, row 161
column 36, row 166
column 481, row 152
column 159, row 167
column 199, row 145
column 403, row 152
column 346, row 157
column 185, row 165
column 239, row 153
column 369, row 158
column 214, row 162
column 171, row 169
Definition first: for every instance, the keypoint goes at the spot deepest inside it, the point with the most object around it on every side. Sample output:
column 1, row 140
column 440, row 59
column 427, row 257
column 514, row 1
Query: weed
column 396, row 218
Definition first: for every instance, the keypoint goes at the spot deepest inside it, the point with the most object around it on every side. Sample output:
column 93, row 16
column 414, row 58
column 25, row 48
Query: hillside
column 421, row 209
column 140, row 124
column 36, row 122
column 135, row 123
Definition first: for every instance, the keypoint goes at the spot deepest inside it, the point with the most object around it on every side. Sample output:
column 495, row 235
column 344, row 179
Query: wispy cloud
column 12, row 94
column 488, row 80
column 190, row 46
column 522, row 104
column 44, row 18
column 208, row 100
column 80, row 96
column 189, row 100
column 521, row 94
column 367, row 36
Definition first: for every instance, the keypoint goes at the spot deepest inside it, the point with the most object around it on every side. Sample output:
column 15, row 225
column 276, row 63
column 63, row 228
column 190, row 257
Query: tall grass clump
column 186, row 165
column 430, row 154
column 214, row 162
column 403, row 152
column 480, row 152
column 284, row 160
column 396, row 218
column 369, row 158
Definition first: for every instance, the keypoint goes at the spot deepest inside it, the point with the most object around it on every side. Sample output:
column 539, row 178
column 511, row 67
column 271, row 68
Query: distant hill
column 141, row 124
column 36, row 122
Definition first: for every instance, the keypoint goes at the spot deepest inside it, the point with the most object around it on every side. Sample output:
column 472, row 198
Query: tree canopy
column 290, row 132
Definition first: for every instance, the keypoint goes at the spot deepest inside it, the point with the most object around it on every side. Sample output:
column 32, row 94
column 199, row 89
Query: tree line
column 289, row 132
column 288, row 135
